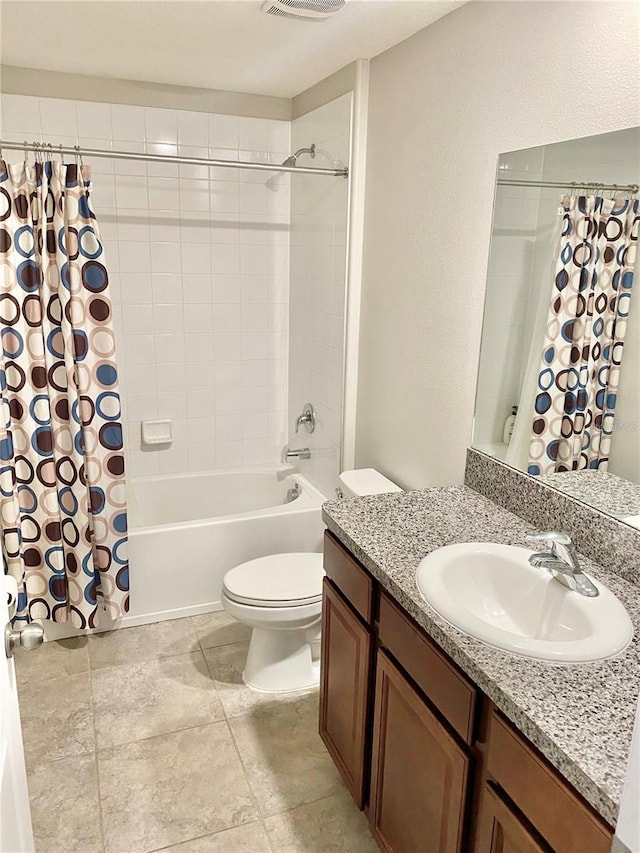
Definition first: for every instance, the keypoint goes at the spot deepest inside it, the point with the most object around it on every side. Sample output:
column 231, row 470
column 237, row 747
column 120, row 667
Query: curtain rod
column 512, row 182
column 48, row 148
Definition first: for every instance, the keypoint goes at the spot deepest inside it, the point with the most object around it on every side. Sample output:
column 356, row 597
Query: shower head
column 292, row 159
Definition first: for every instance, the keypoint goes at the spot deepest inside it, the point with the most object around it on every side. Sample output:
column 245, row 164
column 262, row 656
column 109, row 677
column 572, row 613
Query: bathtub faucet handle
column 308, row 418
column 291, row 454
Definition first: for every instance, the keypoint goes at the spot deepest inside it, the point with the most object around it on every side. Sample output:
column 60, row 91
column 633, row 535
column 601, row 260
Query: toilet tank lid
column 367, row 481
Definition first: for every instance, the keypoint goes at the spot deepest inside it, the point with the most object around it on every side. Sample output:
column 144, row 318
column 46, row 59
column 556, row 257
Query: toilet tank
column 365, row 481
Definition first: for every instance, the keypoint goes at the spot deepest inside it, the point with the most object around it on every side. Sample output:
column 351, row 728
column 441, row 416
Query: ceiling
column 216, row 44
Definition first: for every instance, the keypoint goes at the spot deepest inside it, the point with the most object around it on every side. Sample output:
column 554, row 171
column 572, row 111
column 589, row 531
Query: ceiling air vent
column 309, row 10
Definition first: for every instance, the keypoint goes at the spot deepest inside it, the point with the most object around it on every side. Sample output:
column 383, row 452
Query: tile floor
column 146, row 739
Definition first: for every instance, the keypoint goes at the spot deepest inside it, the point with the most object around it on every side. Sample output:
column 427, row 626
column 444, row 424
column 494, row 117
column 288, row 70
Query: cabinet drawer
column 350, row 578
column 559, row 814
column 447, row 688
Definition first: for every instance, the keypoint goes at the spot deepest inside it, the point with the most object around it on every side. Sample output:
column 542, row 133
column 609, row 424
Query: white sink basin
column 492, row 593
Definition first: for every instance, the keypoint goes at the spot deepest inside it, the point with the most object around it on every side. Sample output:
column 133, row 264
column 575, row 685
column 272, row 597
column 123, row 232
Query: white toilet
column 280, row 597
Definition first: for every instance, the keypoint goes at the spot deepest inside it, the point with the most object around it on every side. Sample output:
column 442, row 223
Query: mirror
column 561, row 329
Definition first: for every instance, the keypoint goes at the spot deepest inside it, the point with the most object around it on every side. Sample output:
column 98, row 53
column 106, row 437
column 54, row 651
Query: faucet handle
column 550, row 536
column 308, row 418
column 561, row 546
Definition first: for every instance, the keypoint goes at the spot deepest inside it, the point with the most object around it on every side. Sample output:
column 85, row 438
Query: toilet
column 280, row 597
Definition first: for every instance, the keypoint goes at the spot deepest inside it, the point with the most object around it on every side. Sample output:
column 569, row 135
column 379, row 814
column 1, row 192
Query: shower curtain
column 62, row 499
column 579, row 371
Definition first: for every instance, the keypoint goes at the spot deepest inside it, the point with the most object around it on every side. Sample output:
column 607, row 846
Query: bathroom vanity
column 447, row 743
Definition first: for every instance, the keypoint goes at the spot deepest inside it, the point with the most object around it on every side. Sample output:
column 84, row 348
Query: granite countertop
column 580, row 716
column 599, row 489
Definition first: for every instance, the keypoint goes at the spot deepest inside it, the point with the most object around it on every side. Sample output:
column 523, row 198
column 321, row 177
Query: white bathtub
column 187, row 530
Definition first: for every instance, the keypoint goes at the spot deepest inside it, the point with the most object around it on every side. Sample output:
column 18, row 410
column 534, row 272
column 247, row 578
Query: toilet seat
column 277, row 580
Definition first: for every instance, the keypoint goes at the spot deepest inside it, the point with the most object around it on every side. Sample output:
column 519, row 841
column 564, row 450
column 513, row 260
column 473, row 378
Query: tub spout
column 291, row 454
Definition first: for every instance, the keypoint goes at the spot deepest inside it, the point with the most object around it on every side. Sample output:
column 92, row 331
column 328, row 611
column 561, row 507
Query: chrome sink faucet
column 562, row 561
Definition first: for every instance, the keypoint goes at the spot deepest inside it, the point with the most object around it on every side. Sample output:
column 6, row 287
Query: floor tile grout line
column 245, row 773
column 210, row 835
column 235, row 746
column 159, row 734
column 97, row 765
column 198, row 648
column 97, row 670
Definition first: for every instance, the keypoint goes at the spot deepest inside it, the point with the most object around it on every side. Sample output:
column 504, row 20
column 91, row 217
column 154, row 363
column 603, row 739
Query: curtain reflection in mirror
column 569, row 407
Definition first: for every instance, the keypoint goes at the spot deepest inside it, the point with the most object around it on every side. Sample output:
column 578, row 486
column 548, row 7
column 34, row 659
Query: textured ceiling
column 217, row 44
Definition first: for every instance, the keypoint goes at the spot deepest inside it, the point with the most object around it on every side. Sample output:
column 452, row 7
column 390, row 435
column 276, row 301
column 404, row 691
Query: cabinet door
column 419, row 773
column 344, row 688
column 500, row 830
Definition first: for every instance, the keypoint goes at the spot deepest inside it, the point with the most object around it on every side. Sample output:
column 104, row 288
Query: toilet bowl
column 280, row 597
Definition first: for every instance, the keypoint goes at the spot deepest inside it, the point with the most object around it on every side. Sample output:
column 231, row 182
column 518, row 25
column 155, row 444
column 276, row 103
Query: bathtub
column 187, row 530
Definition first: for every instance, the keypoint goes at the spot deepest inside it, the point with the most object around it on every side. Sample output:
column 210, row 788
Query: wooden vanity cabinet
column 419, row 774
column 438, row 768
column 545, row 799
column 346, row 666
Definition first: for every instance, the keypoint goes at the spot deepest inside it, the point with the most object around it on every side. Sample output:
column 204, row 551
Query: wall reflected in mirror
column 527, row 350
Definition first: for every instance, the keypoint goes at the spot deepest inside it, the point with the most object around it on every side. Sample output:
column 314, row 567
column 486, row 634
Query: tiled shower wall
column 318, row 275
column 199, row 268
column 505, row 336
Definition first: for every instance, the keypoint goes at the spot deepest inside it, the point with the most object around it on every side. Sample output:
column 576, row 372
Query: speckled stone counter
column 599, row 489
column 580, row 716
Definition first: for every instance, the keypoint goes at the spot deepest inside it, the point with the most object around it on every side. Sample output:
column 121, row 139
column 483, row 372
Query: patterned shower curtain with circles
column 62, row 491
column 579, row 373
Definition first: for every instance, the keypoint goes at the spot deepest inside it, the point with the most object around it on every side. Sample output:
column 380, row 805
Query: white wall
column 489, row 77
column 198, row 261
column 318, row 281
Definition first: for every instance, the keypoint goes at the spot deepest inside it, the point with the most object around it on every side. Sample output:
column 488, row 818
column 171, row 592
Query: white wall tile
column 194, row 195
column 223, row 131
column 228, row 402
column 127, row 123
column 58, row 117
column 227, row 317
column 161, row 125
column 94, row 120
column 134, row 257
column 196, row 258
column 253, row 133
column 227, row 374
column 198, row 318
column 193, row 128
column 131, row 191
column 164, row 194
column 21, row 115
column 165, row 258
column 167, row 289
column 200, row 404
column 198, row 289
column 225, row 259
column 139, row 349
column 168, row 319
column 228, row 454
column 228, row 427
column 195, row 338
